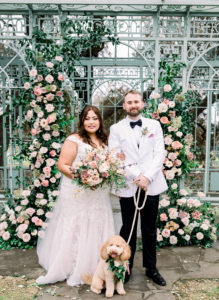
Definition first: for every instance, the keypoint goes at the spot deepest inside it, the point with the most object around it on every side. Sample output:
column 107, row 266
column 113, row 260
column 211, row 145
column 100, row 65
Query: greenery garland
column 119, row 270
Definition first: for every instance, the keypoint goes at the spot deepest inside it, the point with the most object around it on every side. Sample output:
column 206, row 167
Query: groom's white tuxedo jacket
column 148, row 157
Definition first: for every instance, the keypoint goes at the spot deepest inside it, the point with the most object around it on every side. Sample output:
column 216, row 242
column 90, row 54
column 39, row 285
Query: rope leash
column 137, row 209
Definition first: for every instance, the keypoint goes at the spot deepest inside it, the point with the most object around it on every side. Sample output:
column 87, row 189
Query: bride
column 80, row 222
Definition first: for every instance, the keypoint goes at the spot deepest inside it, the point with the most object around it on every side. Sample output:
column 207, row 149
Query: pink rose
column 61, row 77
column 38, row 222
column 49, row 107
column 37, row 183
column 171, row 104
column 27, row 85
column 190, row 156
column 30, row 211
column 6, row 236
column 45, row 183
column 26, row 193
column 41, row 234
column 176, row 145
column 40, row 77
column 59, row 93
column 51, row 118
column 20, row 219
column 49, row 78
column 33, row 73
column 48, row 215
column 163, row 217
column 46, row 137
column 173, row 240
column 26, row 237
column 49, row 64
column 172, row 114
column 164, row 120
column 39, row 195
column 179, row 133
column 199, row 236
column 166, row 233
column 43, row 201
column 93, row 164
column 59, row 58
column 50, row 97
column 37, row 91
column 162, row 107
column 55, row 133
column 172, row 156
column 168, row 140
column 46, row 169
column 166, row 101
column 170, row 174
column 167, row 88
column 40, row 212
column 187, row 237
column 185, row 221
column 52, row 153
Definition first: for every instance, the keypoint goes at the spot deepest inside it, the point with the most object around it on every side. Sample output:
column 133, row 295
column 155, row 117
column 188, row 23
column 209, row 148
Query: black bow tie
column 139, row 123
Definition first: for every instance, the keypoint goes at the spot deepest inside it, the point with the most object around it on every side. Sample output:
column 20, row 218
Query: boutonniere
column 144, row 131
column 119, row 269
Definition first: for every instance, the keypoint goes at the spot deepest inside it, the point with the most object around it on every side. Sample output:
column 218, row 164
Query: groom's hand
column 142, row 182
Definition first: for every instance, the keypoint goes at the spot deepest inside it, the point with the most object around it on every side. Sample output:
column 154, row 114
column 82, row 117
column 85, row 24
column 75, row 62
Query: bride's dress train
column 80, row 223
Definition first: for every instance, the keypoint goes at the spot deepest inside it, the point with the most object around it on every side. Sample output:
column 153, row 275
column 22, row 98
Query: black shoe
column 156, row 277
column 127, row 276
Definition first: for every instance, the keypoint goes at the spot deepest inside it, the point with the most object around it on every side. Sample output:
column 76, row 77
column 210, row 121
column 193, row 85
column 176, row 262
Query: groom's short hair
column 135, row 92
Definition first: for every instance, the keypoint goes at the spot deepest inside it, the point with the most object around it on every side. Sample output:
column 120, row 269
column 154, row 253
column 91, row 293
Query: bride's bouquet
column 99, row 167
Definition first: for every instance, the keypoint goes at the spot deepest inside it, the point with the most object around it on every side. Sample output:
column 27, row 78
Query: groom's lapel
column 130, row 135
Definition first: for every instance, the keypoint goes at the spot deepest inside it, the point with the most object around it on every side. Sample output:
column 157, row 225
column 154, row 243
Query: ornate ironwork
column 147, row 32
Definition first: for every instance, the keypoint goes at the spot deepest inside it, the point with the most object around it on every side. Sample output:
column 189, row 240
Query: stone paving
column 173, row 263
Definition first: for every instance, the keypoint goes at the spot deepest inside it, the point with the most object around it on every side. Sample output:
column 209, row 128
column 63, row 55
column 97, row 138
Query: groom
column 141, row 141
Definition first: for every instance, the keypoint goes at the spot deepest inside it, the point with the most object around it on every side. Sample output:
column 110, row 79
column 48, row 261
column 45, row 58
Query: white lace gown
column 80, row 224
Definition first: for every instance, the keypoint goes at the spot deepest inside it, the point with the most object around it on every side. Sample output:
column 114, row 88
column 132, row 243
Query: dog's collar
column 119, row 270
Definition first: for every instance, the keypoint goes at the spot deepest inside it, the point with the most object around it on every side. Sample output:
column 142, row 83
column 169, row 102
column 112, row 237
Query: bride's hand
column 120, row 155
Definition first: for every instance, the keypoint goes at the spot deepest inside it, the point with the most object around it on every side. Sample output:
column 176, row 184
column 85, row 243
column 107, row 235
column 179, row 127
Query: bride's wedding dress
column 80, row 224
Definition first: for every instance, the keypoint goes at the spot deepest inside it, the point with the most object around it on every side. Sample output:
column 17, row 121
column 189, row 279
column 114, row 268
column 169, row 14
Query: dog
column 118, row 252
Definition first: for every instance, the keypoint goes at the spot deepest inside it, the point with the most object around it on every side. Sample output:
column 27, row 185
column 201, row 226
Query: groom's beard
column 134, row 112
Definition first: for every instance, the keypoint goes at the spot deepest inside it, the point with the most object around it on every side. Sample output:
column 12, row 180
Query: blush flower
column 167, row 88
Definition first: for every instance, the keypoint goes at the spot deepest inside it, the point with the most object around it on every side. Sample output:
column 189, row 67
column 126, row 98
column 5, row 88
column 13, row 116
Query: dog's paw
column 96, row 291
column 109, row 295
column 122, row 292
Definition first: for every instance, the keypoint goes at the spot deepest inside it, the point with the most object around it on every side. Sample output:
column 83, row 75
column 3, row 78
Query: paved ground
column 173, row 263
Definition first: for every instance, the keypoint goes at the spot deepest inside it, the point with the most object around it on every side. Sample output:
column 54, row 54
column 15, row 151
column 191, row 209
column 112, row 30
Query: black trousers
column 148, row 227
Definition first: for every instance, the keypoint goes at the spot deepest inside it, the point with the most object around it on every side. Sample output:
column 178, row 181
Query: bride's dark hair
column 101, row 133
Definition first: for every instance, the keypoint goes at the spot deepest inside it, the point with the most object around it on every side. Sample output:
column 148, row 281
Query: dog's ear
column 103, row 251
column 126, row 253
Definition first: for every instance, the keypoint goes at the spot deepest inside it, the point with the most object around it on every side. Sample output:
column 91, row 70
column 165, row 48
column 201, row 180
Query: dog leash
column 137, row 209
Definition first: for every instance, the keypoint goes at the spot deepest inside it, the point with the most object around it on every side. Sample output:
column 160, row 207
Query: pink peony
column 51, row 118
column 33, row 73
column 204, row 226
column 168, row 140
column 164, row 203
column 39, row 195
column 196, row 215
column 185, row 221
column 49, row 78
column 61, row 77
column 163, row 217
